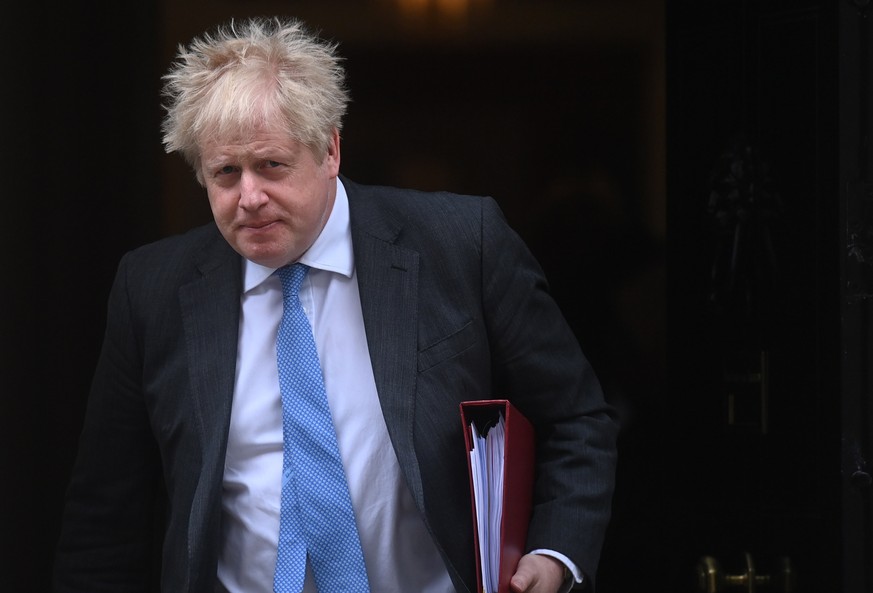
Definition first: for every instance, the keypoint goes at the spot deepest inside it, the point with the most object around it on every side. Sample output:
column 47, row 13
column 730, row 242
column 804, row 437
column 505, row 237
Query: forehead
column 260, row 143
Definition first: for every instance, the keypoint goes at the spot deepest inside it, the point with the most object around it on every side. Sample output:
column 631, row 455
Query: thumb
column 520, row 581
column 525, row 576
column 536, row 572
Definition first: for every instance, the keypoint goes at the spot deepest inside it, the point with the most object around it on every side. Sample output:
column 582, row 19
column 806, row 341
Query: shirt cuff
column 572, row 575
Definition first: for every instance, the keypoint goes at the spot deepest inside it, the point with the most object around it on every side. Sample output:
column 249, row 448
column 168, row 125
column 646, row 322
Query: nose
column 252, row 195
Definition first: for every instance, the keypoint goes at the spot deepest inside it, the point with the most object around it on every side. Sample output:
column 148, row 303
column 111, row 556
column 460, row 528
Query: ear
column 332, row 158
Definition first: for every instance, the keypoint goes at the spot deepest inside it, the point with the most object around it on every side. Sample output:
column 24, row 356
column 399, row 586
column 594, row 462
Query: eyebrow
column 266, row 153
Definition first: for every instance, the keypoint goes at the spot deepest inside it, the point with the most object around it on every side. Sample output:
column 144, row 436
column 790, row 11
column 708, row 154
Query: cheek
column 220, row 203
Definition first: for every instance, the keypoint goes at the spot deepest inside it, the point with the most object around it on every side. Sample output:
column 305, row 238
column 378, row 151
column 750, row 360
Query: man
column 416, row 302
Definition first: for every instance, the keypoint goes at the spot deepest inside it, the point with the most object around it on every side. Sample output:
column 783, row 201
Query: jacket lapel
column 210, row 315
column 388, row 282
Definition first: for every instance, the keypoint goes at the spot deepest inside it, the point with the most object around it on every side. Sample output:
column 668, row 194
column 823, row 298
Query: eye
column 226, row 170
column 272, row 164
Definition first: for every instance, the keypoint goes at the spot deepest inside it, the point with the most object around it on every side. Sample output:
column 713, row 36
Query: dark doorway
column 745, row 465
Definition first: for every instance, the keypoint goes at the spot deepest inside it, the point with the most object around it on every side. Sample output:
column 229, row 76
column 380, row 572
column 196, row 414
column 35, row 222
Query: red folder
column 518, row 478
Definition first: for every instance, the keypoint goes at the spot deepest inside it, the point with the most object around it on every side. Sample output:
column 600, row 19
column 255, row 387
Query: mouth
column 257, row 225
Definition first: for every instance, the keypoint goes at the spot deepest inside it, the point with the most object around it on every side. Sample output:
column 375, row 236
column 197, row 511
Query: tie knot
column 292, row 277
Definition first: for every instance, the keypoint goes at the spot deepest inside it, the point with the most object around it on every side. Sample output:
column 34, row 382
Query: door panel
column 743, row 456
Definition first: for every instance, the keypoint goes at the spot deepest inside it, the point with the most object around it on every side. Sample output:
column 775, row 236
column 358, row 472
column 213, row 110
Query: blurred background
column 693, row 176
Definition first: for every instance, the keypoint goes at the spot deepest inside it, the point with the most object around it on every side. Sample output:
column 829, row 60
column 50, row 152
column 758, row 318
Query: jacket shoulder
column 176, row 260
column 392, row 212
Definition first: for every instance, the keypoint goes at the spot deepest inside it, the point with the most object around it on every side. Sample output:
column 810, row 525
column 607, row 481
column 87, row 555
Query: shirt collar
column 331, row 251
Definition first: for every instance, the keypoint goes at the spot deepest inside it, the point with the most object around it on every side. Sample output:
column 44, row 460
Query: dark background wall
column 554, row 108
column 79, row 137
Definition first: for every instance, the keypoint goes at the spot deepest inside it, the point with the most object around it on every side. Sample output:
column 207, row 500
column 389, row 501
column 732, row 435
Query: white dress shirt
column 398, row 551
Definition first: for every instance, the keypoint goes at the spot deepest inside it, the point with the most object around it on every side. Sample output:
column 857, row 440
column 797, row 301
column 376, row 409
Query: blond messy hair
column 242, row 77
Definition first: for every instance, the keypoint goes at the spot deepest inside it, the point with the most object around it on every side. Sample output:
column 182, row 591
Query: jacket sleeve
column 110, row 514
column 538, row 363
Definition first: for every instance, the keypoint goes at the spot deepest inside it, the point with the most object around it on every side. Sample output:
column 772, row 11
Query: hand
column 537, row 573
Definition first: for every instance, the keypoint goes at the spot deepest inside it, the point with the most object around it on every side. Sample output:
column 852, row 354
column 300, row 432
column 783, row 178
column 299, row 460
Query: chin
column 265, row 258
column 263, row 251
column 269, row 262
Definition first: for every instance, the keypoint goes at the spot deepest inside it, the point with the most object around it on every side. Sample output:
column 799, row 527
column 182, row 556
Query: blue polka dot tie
column 316, row 517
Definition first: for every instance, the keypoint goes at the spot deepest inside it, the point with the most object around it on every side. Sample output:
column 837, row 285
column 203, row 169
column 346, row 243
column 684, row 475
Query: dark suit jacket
column 455, row 308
